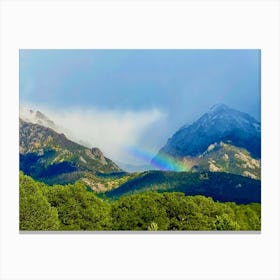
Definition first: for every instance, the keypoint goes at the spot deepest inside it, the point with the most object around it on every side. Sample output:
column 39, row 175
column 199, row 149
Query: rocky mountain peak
column 36, row 117
column 220, row 123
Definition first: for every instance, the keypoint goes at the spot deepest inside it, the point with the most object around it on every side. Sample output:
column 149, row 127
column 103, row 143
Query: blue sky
column 173, row 87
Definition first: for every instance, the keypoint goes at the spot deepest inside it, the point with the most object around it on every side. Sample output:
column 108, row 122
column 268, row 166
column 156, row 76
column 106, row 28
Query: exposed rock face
column 98, row 155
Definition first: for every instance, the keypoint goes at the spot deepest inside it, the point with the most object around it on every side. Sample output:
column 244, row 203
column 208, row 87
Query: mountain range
column 220, row 154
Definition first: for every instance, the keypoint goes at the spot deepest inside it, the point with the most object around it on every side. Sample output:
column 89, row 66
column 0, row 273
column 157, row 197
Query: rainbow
column 161, row 161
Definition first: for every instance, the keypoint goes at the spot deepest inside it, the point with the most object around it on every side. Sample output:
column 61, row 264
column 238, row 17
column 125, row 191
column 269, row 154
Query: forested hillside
column 220, row 186
column 72, row 207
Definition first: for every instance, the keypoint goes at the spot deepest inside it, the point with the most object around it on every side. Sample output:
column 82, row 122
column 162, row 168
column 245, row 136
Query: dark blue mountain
column 220, row 123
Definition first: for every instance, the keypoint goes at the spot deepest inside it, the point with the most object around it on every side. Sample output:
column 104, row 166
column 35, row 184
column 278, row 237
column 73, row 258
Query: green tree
column 138, row 212
column 248, row 216
column 153, row 227
column 79, row 209
column 224, row 222
column 36, row 212
column 189, row 212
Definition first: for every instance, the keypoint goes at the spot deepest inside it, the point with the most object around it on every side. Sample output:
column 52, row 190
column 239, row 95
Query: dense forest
column 73, row 207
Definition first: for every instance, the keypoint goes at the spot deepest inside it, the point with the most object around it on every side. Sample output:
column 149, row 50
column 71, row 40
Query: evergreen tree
column 36, row 212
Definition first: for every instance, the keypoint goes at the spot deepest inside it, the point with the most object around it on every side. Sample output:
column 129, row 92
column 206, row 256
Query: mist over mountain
column 50, row 157
column 113, row 131
column 36, row 116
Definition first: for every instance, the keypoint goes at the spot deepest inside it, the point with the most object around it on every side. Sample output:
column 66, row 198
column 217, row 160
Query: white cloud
column 111, row 131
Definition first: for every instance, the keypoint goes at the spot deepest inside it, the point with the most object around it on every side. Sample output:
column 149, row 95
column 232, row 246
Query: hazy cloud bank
column 112, row 131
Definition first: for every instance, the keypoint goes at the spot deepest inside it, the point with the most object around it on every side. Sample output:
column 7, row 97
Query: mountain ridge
column 45, row 153
column 225, row 128
column 220, row 186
